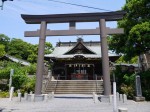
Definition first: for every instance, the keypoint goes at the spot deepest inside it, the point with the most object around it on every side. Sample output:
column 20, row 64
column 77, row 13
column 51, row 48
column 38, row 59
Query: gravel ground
column 69, row 103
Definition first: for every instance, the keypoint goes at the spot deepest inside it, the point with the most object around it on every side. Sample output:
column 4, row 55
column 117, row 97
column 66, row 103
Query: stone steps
column 75, row 87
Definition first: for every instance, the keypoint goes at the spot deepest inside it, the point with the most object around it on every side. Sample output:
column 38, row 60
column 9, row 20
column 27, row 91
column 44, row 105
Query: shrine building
column 78, row 60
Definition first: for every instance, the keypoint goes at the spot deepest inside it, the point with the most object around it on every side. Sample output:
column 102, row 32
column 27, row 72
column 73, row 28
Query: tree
column 2, row 50
column 48, row 48
column 34, row 51
column 19, row 48
column 136, row 24
column 4, row 40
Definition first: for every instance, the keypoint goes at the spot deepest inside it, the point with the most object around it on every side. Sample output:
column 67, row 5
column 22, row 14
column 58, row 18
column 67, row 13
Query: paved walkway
column 69, row 103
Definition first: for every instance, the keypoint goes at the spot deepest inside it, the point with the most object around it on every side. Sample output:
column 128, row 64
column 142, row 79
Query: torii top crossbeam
column 76, row 17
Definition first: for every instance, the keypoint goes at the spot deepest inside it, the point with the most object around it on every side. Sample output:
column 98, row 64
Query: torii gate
column 103, row 31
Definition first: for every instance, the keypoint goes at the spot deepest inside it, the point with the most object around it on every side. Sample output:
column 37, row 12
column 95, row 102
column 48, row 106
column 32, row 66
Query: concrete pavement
column 69, row 103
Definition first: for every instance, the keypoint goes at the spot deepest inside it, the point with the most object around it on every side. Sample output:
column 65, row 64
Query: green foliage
column 20, row 78
column 123, row 60
column 139, row 37
column 136, row 24
column 32, row 57
column 31, row 69
column 23, row 50
column 26, row 51
column 19, row 48
column 129, row 79
column 48, row 48
column 5, row 68
column 4, row 94
column 128, row 87
column 128, row 90
column 145, row 78
column 29, row 85
column 125, row 82
column 146, row 94
column 2, row 50
column 4, row 40
column 4, row 73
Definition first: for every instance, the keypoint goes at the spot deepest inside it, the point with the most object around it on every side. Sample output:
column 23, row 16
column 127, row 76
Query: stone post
column 105, row 58
column 118, row 96
column 40, row 60
column 11, row 93
column 114, row 98
column 25, row 96
column 19, row 97
column 138, row 86
column 122, row 110
column 124, row 98
column 121, row 98
column 138, row 96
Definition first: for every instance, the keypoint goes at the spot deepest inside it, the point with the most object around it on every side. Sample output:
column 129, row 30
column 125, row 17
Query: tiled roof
column 17, row 60
column 60, row 51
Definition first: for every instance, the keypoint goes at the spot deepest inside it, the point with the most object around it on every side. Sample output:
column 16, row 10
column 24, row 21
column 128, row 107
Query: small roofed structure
column 17, row 60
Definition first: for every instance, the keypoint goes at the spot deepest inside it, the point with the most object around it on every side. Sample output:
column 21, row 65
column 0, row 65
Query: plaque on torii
column 72, row 19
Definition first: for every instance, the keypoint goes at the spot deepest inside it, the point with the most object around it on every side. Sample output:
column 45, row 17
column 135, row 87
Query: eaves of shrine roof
column 60, row 51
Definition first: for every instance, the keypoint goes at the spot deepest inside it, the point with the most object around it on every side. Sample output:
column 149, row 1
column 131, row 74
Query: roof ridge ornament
column 80, row 39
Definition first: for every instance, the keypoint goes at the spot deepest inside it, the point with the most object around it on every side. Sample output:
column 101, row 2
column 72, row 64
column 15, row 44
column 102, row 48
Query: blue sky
column 12, row 25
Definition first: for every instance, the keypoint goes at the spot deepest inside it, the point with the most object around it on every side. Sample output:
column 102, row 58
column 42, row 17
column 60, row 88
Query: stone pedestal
column 35, row 98
column 122, row 110
column 38, row 98
column 139, row 98
column 104, row 98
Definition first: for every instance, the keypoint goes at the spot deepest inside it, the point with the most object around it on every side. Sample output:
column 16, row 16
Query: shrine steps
column 74, row 87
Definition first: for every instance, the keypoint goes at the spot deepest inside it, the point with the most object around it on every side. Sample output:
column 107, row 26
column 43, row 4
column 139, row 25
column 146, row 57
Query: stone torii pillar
column 40, row 60
column 105, row 58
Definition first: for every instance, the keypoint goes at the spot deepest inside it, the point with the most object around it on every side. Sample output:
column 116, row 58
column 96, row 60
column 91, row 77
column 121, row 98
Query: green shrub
column 4, row 94
column 146, row 94
column 29, row 85
column 128, row 90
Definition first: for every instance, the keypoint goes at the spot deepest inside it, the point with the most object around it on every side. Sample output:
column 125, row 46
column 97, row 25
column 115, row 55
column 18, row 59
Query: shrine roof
column 60, row 51
column 79, row 48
